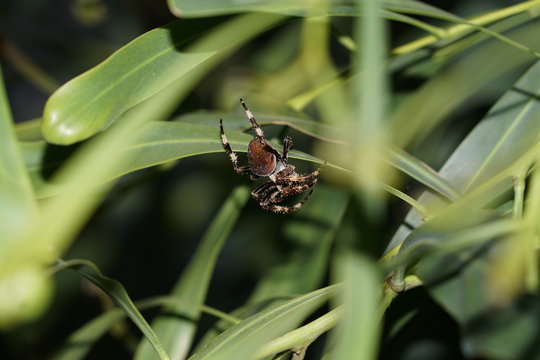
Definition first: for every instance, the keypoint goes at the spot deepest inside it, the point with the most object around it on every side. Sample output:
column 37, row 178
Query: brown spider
column 263, row 160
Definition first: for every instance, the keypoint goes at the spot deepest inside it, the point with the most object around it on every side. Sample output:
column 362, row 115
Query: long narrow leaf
column 176, row 327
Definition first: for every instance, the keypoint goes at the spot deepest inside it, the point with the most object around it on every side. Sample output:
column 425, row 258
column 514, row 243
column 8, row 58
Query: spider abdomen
column 262, row 162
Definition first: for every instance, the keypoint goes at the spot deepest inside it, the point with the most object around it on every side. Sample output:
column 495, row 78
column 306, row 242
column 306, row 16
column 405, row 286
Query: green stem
column 519, row 191
column 303, row 336
column 409, row 200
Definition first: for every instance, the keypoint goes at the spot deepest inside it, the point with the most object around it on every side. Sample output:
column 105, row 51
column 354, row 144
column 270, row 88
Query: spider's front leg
column 287, row 145
column 263, row 191
column 232, row 155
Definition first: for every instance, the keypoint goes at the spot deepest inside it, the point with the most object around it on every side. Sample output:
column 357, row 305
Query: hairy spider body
column 265, row 161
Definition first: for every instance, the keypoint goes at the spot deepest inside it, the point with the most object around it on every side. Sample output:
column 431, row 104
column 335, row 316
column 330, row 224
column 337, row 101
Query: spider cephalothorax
column 265, row 161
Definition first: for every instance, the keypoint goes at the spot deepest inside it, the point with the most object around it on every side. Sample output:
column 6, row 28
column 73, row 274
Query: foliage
column 118, row 171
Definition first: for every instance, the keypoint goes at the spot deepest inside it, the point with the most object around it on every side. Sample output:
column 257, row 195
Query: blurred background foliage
column 149, row 226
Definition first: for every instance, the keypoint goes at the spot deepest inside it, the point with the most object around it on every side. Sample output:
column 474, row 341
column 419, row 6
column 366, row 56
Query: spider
column 265, row 161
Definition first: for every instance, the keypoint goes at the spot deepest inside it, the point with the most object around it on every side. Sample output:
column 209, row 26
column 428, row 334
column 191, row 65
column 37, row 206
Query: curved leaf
column 94, row 100
column 118, row 294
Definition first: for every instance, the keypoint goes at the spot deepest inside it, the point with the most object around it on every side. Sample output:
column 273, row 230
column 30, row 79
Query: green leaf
column 421, row 172
column 357, row 336
column 29, row 130
column 239, row 122
column 17, row 199
column 244, row 339
column 24, row 289
column 94, row 100
column 118, row 294
column 177, row 326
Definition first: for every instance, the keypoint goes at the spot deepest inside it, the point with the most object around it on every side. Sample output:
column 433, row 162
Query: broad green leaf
column 177, row 325
column 244, row 339
column 80, row 342
column 357, row 336
column 118, row 294
column 94, row 100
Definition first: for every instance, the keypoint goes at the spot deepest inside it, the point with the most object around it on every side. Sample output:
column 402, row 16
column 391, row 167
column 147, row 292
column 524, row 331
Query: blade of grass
column 177, row 325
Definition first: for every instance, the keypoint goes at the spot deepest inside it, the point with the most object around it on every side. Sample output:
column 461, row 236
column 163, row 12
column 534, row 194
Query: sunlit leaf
column 94, row 100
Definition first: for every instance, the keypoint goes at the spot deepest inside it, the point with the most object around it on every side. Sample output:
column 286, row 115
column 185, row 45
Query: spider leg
column 232, row 155
column 284, row 178
column 252, row 120
column 287, row 145
column 287, row 191
column 286, row 209
column 259, row 192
